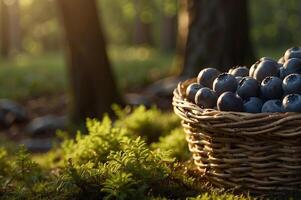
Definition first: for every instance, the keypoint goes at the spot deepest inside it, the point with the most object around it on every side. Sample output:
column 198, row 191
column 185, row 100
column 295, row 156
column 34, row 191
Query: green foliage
column 278, row 28
column 21, row 178
column 96, row 146
column 110, row 162
column 150, row 124
column 175, row 143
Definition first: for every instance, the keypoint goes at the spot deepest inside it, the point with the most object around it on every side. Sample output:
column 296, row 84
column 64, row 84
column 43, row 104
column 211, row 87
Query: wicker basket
column 242, row 150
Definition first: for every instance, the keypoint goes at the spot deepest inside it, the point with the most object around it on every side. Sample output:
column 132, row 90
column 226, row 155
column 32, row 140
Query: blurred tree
column 143, row 25
column 218, row 35
column 4, row 28
column 92, row 84
column 168, row 25
column 10, row 27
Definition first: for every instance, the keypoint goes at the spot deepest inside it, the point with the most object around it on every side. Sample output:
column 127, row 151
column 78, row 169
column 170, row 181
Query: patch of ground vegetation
column 115, row 160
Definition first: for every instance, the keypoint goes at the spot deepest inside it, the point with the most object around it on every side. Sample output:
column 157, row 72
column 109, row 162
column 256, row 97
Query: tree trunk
column 168, row 32
column 142, row 29
column 4, row 28
column 92, row 85
column 218, row 35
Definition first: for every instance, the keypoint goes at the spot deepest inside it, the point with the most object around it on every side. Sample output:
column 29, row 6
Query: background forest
column 86, row 89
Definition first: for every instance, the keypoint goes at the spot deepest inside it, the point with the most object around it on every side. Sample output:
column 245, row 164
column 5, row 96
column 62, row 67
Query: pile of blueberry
column 268, row 86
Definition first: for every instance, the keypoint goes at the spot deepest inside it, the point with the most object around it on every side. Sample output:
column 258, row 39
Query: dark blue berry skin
column 292, row 84
column 282, row 73
column 271, row 88
column 266, row 68
column 271, row 106
column 205, row 98
column 292, row 66
column 294, row 52
column 292, row 103
column 238, row 78
column 225, row 82
column 207, row 76
column 272, row 60
column 191, row 91
column 228, row 101
column 253, row 105
column 239, row 71
column 248, row 87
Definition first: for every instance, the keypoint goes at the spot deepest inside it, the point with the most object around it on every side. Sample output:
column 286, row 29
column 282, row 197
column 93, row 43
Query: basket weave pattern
column 242, row 150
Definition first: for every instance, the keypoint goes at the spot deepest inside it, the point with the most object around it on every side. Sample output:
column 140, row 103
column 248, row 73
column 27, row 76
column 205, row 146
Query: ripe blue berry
column 253, row 105
column 271, row 88
column 292, row 103
column 271, row 106
column 224, row 82
column 207, row 76
column 228, row 101
column 205, row 98
column 191, row 91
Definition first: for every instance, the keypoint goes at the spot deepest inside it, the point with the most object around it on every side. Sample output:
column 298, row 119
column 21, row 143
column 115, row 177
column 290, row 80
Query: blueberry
column 292, row 65
column 282, row 73
column 239, row 71
column 271, row 88
column 294, row 52
column 292, row 84
column 281, row 60
column 292, row 103
column 207, row 76
column 253, row 68
column 264, row 69
column 270, row 59
column 192, row 90
column 224, row 82
column 273, row 105
column 253, row 105
column 228, row 101
column 238, row 78
column 248, row 87
column 205, row 98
